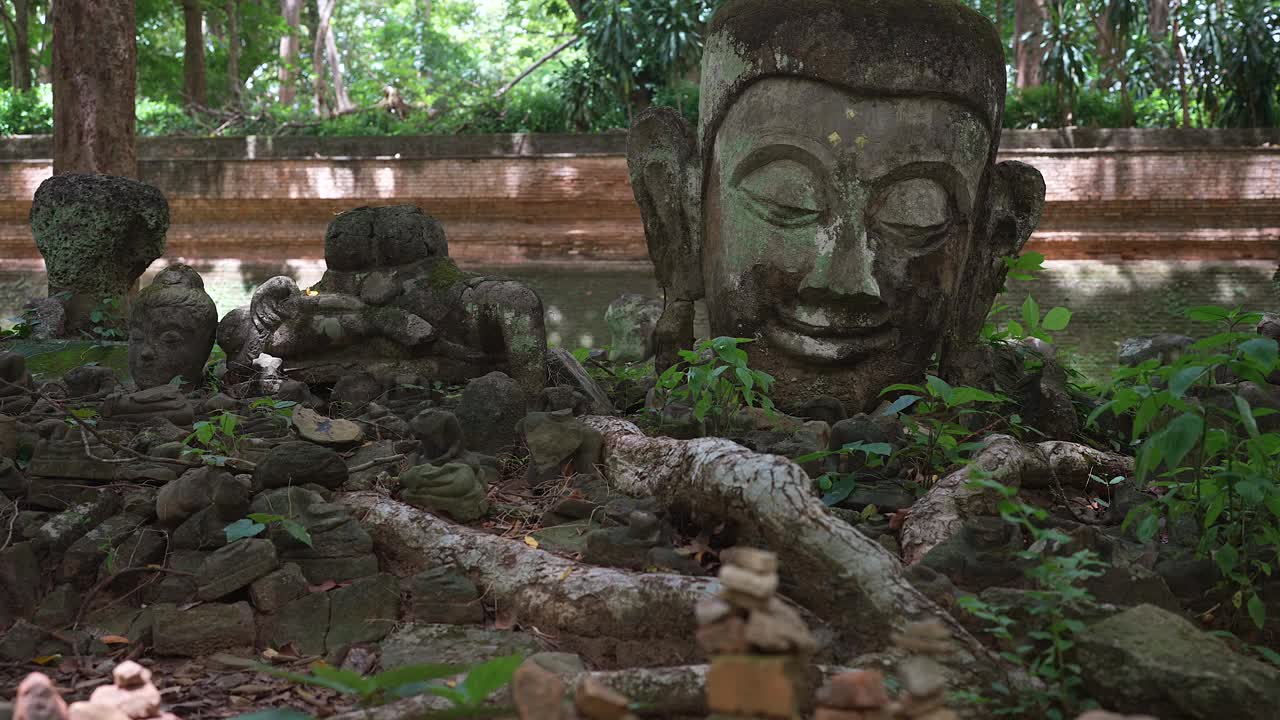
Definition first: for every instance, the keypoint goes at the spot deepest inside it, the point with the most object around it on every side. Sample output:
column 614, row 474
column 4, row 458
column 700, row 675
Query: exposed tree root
column 942, row 511
column 843, row 577
column 614, row 617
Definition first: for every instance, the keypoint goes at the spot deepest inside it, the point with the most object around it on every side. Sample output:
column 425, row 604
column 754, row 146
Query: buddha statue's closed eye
column 840, row 202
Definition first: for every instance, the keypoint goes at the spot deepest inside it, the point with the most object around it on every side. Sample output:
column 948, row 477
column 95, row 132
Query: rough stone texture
column 235, row 566
column 199, row 489
column 632, row 320
column 559, row 445
column 1165, row 346
column 335, row 432
column 364, row 611
column 444, row 595
column 391, row 298
column 452, row 489
column 273, row 591
column 300, row 463
column 340, row 548
column 171, row 328
column 144, row 407
column 81, row 561
column 1150, row 660
column 19, row 582
column 304, row 623
column 489, row 410
column 59, row 532
column 564, row 370
column 413, row 644
column 201, row 630
column 97, row 234
column 838, row 309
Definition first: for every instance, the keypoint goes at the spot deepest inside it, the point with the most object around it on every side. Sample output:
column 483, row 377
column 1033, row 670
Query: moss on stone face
column 444, row 274
column 98, row 233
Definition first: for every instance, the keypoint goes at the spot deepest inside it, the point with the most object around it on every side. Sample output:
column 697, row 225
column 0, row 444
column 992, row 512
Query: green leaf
column 1146, row 413
column 1057, row 319
column 1184, row 379
column 1262, row 353
column 884, row 449
column 745, row 377
column 1148, row 527
column 486, row 678
column 1257, row 611
column 840, row 490
column 1246, row 415
column 244, row 528
column 964, row 395
column 265, row 518
column 391, row 679
column 1226, row 557
column 297, row 531
column 1016, row 329
column 1208, row 313
column 939, row 388
column 901, row 404
column 1181, row 435
column 1031, row 313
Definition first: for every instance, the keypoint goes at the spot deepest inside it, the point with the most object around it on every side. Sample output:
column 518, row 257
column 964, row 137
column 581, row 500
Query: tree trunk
column 1029, row 17
column 194, row 86
column 342, row 101
column 17, row 30
column 1181, row 54
column 235, row 89
column 95, row 60
column 291, row 10
column 318, row 83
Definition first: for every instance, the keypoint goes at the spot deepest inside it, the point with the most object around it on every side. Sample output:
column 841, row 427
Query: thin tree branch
column 541, row 61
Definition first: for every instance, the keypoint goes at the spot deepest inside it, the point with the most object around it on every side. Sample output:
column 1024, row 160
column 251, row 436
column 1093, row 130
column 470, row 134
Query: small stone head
column 171, row 329
column 840, row 200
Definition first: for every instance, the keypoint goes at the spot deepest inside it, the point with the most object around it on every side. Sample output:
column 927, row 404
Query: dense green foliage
column 1102, row 63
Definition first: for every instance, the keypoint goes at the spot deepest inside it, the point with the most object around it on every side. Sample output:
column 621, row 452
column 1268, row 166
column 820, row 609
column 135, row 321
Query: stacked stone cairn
column 133, row 696
column 759, row 645
column 924, row 682
column 856, row 695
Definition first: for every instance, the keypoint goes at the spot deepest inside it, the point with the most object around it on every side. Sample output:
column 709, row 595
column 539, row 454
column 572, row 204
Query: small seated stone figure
column 452, row 489
column 38, row 699
column 632, row 320
column 15, row 384
column 840, row 200
column 136, row 408
column 89, row 383
column 391, row 299
column 172, row 324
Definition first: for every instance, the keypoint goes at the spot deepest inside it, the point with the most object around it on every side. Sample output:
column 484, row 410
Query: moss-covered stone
column 98, row 233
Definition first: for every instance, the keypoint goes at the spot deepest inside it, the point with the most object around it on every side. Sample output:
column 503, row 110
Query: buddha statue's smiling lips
column 830, row 334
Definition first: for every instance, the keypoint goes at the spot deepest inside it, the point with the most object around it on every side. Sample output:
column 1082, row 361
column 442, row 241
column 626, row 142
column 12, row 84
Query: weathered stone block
column 201, row 630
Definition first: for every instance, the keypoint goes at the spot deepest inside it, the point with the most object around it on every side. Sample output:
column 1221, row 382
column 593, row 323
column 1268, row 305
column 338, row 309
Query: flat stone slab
column 415, row 644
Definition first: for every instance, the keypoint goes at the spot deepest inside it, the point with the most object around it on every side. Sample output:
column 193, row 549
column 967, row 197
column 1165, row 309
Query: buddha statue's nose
column 843, row 263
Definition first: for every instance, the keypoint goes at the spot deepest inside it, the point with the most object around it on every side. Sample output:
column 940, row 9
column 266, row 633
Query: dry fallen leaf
column 567, row 572
column 530, row 541
column 114, row 640
column 46, row 659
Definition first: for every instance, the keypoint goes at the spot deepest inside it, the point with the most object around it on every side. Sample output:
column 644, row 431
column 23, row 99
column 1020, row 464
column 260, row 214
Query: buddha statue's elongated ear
column 1015, row 201
column 666, row 176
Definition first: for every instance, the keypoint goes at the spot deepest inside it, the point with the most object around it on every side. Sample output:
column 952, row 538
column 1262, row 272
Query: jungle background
column 389, row 67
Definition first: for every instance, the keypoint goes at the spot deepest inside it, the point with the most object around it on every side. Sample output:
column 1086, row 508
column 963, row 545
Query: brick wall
column 1114, row 195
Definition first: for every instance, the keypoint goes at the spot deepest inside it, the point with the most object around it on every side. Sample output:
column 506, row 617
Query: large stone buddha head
column 840, row 201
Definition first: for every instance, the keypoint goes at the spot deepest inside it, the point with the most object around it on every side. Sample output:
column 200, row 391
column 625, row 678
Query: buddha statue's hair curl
column 178, row 287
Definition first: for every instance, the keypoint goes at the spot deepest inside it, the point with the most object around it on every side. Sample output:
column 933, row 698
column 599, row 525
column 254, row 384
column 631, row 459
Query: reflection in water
column 1110, row 300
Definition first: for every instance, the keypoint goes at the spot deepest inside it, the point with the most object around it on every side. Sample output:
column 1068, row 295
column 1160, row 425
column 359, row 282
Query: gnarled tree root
column 846, row 579
column 613, row 617
column 942, row 511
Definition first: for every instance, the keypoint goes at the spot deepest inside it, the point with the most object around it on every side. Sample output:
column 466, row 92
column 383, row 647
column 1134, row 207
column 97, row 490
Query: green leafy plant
column 467, row 696
column 938, row 438
column 715, row 380
column 218, row 438
column 1031, row 324
column 108, row 320
column 280, row 408
column 1198, row 441
column 1043, row 642
column 837, row 486
column 255, row 523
